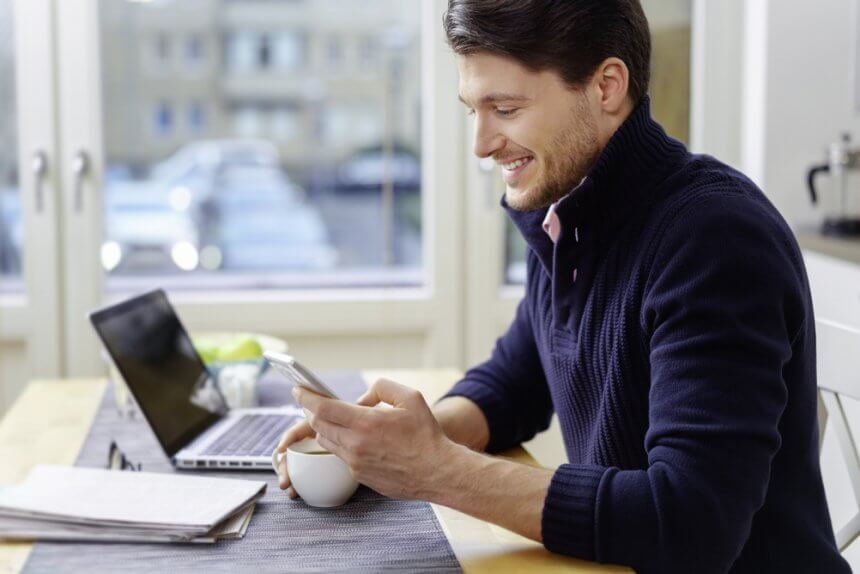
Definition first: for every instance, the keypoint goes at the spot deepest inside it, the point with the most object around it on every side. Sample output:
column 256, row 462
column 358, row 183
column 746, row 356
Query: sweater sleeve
column 721, row 307
column 510, row 388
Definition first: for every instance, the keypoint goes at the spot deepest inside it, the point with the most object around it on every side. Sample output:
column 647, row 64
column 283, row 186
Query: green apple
column 242, row 348
column 208, row 350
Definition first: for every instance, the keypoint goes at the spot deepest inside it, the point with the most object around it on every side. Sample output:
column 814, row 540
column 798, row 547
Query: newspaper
column 73, row 503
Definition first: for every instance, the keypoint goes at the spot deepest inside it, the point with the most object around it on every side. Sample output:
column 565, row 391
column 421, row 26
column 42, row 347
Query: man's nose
column 487, row 140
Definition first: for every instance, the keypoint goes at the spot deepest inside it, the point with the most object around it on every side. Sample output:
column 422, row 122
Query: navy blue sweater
column 680, row 359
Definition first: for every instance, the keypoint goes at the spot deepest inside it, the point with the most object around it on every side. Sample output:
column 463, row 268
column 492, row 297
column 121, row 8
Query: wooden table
column 49, row 421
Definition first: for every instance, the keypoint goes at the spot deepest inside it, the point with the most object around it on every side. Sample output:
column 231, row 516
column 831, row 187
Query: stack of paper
column 70, row 503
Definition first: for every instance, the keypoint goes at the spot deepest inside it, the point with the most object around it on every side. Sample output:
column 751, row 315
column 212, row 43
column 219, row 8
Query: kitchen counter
column 844, row 248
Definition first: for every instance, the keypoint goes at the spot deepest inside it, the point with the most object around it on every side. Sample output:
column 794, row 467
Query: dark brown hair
column 571, row 37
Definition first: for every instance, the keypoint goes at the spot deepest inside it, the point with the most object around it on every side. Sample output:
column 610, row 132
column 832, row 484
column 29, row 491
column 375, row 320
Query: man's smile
column 512, row 169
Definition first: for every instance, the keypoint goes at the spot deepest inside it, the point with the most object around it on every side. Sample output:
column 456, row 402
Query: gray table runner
column 370, row 533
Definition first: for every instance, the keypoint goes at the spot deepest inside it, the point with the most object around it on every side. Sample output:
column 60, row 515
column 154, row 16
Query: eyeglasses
column 118, row 461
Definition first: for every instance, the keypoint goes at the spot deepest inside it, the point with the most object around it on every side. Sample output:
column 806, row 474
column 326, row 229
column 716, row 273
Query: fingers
column 293, row 434
column 332, row 410
column 395, row 394
column 328, row 430
column 284, row 475
column 368, row 399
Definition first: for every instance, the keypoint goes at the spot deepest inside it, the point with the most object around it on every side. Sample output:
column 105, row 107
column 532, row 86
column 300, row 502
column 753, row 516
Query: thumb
column 385, row 391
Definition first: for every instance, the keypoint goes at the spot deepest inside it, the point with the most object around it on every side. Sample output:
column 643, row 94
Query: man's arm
column 493, row 489
column 463, row 422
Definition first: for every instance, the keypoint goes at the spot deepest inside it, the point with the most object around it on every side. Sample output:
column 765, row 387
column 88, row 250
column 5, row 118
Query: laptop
column 176, row 394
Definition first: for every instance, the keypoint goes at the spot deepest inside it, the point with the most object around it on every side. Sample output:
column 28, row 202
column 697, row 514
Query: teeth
column 515, row 164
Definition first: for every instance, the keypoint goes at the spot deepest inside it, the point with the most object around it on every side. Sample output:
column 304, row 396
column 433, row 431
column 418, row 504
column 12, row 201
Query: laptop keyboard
column 252, row 435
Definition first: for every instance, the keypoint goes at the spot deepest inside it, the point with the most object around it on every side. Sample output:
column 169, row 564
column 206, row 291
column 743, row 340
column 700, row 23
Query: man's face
column 537, row 128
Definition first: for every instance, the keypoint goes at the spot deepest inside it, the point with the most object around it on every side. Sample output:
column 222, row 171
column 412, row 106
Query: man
column 667, row 321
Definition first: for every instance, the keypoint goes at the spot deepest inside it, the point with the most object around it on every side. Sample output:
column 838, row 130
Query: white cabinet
column 835, row 285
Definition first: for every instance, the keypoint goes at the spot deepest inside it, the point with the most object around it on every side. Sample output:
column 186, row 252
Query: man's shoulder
column 701, row 175
column 705, row 190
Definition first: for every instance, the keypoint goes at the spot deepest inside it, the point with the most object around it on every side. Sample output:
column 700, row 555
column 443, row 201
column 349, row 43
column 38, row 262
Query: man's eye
column 504, row 112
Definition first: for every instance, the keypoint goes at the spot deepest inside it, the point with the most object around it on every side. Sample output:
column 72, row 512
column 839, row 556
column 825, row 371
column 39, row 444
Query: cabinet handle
column 39, row 167
column 80, row 167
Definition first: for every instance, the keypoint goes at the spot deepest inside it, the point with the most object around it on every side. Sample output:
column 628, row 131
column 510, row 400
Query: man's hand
column 402, row 452
column 395, row 451
column 295, row 433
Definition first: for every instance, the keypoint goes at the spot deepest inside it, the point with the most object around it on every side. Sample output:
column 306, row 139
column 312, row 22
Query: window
column 162, row 48
column 286, row 124
column 248, row 121
column 354, row 122
column 334, row 52
column 264, row 51
column 240, row 51
column 196, row 117
column 289, row 238
column 11, row 231
column 163, row 118
column 348, row 210
column 194, row 51
column 368, row 51
column 289, row 50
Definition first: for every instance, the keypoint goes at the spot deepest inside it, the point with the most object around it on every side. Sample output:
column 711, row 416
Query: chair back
column 838, row 360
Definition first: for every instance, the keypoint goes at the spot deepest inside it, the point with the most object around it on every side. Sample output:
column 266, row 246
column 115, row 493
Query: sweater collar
column 637, row 158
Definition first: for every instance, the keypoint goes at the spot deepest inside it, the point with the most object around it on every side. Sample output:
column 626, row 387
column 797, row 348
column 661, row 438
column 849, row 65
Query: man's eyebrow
column 497, row 97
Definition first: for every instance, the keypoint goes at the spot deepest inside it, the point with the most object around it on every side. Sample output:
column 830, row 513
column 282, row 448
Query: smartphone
column 297, row 374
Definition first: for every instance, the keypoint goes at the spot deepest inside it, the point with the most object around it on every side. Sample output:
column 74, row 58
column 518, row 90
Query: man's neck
column 610, row 123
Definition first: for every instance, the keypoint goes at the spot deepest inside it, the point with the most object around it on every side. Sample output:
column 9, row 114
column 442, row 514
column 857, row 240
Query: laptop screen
column 164, row 373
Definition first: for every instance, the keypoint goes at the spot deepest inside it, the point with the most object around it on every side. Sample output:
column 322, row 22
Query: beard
column 568, row 159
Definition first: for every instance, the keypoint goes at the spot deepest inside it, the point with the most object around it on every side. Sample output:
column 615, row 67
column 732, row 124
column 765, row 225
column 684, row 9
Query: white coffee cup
column 320, row 477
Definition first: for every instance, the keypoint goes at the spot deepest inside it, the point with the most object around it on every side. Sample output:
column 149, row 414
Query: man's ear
column 612, row 79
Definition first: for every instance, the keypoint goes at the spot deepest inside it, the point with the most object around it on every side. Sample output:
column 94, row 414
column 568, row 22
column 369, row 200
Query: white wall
column 808, row 94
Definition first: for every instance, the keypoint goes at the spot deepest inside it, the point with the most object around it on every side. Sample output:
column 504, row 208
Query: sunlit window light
column 185, row 256
column 111, row 253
